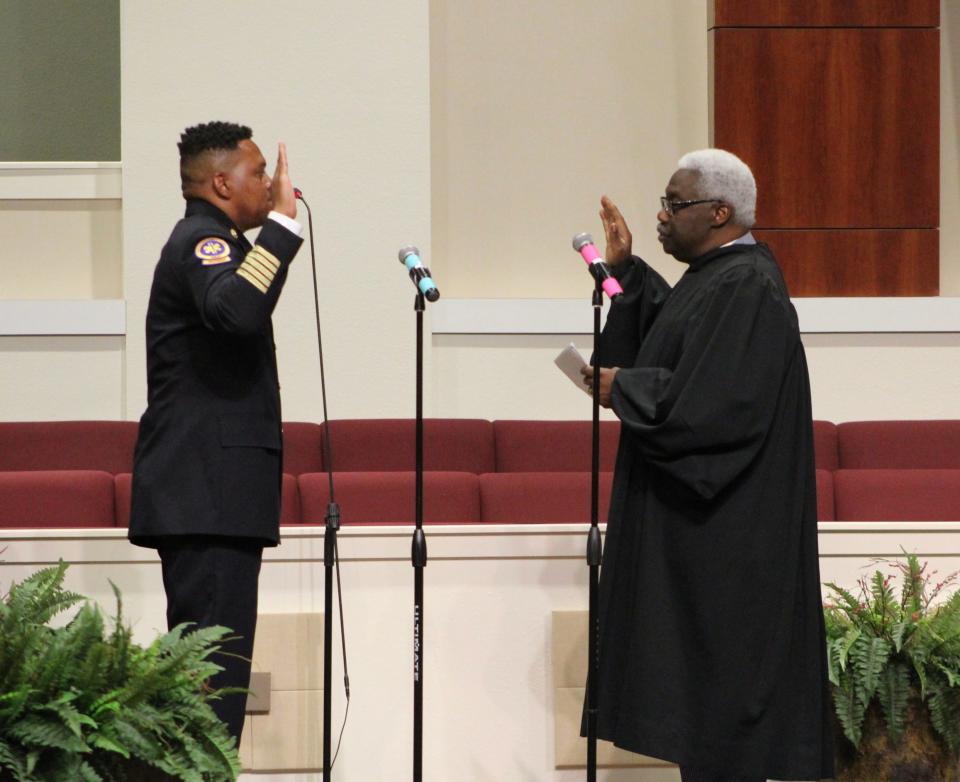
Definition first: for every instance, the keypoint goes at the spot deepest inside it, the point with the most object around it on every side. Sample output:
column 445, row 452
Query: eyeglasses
column 672, row 207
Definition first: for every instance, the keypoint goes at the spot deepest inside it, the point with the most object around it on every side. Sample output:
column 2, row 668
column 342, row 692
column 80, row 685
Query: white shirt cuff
column 287, row 222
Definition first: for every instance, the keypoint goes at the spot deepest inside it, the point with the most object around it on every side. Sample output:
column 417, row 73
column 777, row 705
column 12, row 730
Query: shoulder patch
column 212, row 251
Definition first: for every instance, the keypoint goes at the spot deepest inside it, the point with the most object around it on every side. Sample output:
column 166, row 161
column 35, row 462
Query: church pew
column 388, row 497
column 541, row 497
column 897, row 495
column 67, row 445
column 910, row 445
column 56, row 498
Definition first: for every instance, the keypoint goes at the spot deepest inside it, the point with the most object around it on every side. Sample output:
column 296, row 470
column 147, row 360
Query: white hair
column 726, row 177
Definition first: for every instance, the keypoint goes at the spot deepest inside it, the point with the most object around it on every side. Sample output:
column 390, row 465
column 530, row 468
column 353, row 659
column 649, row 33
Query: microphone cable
column 328, row 460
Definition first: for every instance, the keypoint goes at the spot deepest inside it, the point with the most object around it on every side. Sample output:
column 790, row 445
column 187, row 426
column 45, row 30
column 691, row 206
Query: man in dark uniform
column 712, row 650
column 207, row 465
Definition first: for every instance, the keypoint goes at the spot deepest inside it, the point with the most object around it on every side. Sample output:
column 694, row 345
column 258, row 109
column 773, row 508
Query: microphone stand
column 331, row 557
column 418, row 556
column 594, row 548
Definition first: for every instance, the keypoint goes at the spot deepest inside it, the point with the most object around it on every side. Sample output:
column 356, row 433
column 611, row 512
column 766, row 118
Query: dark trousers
column 688, row 774
column 213, row 581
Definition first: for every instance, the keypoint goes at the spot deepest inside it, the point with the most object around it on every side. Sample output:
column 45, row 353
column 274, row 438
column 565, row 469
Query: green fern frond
column 221, row 748
column 944, row 705
column 893, row 693
column 88, row 774
column 884, row 603
column 35, row 731
column 69, row 716
column 897, row 634
column 920, row 669
column 12, row 704
column 850, row 711
column 945, row 621
column 845, row 644
column 869, row 656
column 848, row 603
column 833, row 664
column 135, row 741
column 40, row 596
column 952, row 674
column 13, row 761
column 100, row 741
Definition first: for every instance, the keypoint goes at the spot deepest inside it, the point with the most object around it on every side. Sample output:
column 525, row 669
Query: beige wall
column 61, row 249
column 538, row 109
column 50, row 378
column 345, row 83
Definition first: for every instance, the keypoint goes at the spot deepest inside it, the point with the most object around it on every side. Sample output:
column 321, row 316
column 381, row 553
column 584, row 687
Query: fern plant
column 83, row 702
column 889, row 649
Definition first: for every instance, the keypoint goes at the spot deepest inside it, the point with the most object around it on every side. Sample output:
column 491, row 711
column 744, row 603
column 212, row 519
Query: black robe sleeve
column 237, row 294
column 704, row 420
column 630, row 316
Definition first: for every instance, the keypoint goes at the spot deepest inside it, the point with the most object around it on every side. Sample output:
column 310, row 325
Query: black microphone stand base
column 332, row 526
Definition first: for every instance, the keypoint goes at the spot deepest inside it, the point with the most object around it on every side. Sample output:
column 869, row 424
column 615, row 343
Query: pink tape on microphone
column 591, row 255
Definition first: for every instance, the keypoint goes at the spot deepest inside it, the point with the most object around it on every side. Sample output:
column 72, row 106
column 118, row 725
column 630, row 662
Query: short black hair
column 211, row 135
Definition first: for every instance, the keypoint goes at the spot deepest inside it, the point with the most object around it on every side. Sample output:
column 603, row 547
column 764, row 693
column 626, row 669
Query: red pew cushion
column 553, row 446
column 914, row 445
column 302, row 447
column 121, row 492
column 825, row 500
column 897, row 495
column 56, row 498
column 68, row 445
column 388, row 444
column 825, row 445
column 388, row 497
column 541, row 497
column 289, row 500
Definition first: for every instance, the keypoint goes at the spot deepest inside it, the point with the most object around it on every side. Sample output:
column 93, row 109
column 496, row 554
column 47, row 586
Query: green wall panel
column 59, row 80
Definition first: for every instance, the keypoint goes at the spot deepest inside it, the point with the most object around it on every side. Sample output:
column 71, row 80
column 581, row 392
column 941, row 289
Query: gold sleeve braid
column 259, row 268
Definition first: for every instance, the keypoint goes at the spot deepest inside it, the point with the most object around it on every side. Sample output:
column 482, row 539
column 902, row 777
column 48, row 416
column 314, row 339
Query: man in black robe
column 712, row 650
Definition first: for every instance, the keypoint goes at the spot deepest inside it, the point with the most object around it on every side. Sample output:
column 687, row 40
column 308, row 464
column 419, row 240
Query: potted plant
column 80, row 701
column 894, row 667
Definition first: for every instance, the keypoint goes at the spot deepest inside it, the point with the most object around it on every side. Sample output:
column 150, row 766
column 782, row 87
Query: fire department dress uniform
column 208, row 460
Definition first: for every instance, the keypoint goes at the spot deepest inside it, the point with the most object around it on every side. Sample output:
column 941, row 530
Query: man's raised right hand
column 619, row 238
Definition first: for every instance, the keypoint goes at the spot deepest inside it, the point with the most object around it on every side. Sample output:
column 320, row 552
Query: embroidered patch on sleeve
column 212, row 251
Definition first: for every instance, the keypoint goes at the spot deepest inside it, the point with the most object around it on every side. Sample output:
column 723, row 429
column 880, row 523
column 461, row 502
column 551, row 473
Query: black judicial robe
column 712, row 644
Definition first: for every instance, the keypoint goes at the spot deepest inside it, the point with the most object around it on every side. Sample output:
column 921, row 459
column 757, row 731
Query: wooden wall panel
column 857, row 262
column 840, row 126
column 826, row 13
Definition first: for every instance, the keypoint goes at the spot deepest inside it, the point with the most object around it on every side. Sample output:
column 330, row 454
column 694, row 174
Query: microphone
column 583, row 244
column 419, row 274
column 298, row 194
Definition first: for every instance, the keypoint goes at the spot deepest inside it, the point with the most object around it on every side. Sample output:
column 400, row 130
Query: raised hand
column 284, row 201
column 619, row 238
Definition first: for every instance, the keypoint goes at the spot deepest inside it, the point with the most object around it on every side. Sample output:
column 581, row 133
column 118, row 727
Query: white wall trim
column 73, row 317
column 817, row 315
column 40, row 180
column 386, row 543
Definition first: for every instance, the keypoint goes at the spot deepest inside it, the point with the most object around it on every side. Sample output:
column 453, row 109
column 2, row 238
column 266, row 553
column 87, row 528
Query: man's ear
column 221, row 185
column 723, row 214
